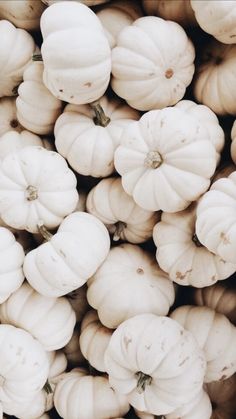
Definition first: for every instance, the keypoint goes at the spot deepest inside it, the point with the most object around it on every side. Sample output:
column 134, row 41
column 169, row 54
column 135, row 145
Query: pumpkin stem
column 143, row 380
column 153, row 160
column 31, row 193
column 47, row 387
column 44, row 232
column 119, row 228
column 37, row 57
column 196, row 241
column 100, row 116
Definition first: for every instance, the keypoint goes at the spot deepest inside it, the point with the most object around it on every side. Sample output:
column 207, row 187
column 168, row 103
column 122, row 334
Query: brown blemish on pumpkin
column 183, row 362
column 224, row 238
column 14, row 123
column 182, row 276
column 88, row 84
column 61, row 90
column 140, row 271
column 62, row 253
column 169, row 73
column 148, row 346
column 223, row 369
column 127, row 341
column 181, row 332
column 72, row 97
column 223, row 377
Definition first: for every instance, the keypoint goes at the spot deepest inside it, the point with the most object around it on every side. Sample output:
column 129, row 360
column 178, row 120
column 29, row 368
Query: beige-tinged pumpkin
column 69, row 257
column 82, row 74
column 88, row 135
column 36, row 185
column 11, row 262
column 152, row 63
column 24, row 365
column 215, row 334
column 181, row 254
column 94, row 340
column 223, row 398
column 78, row 300
column 8, row 119
column 233, row 143
column 217, row 17
column 169, row 170
column 216, row 218
column 86, row 2
column 155, row 362
column 124, row 219
column 218, row 297
column 37, row 108
column 116, row 15
column 17, row 47
column 50, row 320
column 23, row 14
column 215, row 78
column 129, row 282
column 178, row 10
column 82, row 396
column 72, row 350
column 14, row 141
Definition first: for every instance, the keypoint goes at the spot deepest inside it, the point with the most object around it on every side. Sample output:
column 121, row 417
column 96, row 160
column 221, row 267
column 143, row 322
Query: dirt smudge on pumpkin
column 88, row 84
column 184, row 360
column 182, row 276
column 127, row 341
column 224, row 238
column 62, row 253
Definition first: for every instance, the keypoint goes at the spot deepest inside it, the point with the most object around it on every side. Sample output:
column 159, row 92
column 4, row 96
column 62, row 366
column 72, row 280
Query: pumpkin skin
column 214, row 81
column 70, row 257
column 36, row 185
column 81, row 75
column 87, row 141
column 215, row 334
column 182, row 256
column 162, row 63
column 11, row 262
column 13, row 64
column 179, row 10
column 123, row 218
column 94, row 339
column 13, row 141
column 217, row 18
column 222, row 395
column 91, row 397
column 129, row 282
column 219, row 298
column 8, row 119
column 216, row 218
column 147, row 349
column 37, row 108
column 24, row 365
column 168, row 171
column 50, row 320
column 23, row 14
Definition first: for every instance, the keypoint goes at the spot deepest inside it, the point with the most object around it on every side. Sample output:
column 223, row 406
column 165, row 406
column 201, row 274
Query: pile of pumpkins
column 117, row 209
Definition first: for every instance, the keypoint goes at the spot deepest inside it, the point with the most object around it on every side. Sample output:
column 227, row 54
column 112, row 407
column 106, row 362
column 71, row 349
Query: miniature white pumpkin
column 81, row 75
column 123, row 218
column 170, row 170
column 152, row 63
column 87, row 135
column 178, row 10
column 36, row 185
column 87, row 2
column 8, row 119
column 37, row 108
column 66, row 261
column 23, row 14
column 13, row 141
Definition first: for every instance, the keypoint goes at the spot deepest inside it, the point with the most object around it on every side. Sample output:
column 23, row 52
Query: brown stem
column 44, row 232
column 31, row 193
column 143, row 380
column 37, row 57
column 153, row 160
column 100, row 116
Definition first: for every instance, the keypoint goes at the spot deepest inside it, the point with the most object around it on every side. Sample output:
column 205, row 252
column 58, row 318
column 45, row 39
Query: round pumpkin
column 87, row 2
column 123, row 218
column 14, row 141
column 23, row 14
column 178, row 10
column 8, row 119
column 169, row 171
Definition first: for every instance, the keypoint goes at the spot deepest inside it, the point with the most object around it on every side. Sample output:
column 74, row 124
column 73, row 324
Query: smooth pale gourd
column 50, row 320
column 129, row 282
column 87, row 135
column 11, row 262
column 223, row 398
column 92, row 397
column 13, row 141
column 215, row 334
column 66, row 261
column 36, row 185
column 169, row 171
column 155, row 362
column 37, row 108
column 216, row 218
column 181, row 254
column 178, row 10
column 152, row 63
column 8, row 119
column 23, row 14
column 13, row 62
column 82, row 74
column 78, row 300
column 217, row 18
column 123, row 218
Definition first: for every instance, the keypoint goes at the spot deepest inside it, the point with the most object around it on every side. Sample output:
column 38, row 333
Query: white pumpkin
column 11, row 262
column 233, row 143
column 50, row 320
column 152, row 63
column 13, row 141
column 217, row 18
column 92, row 397
column 223, row 398
column 23, row 14
column 37, row 108
column 215, row 78
column 36, row 185
column 155, row 362
column 87, row 2
column 13, row 61
column 216, row 218
column 181, row 254
column 215, row 334
column 123, row 218
column 24, row 365
column 178, row 10
column 66, row 261
column 78, row 300
column 87, row 135
column 72, row 350
column 94, row 339
column 170, row 170
column 83, row 73
column 8, row 119
column 116, row 15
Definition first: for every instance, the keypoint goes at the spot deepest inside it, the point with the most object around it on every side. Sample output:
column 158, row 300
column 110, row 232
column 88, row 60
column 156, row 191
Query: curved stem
column 143, row 380
column 44, row 232
column 120, row 226
column 100, row 116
